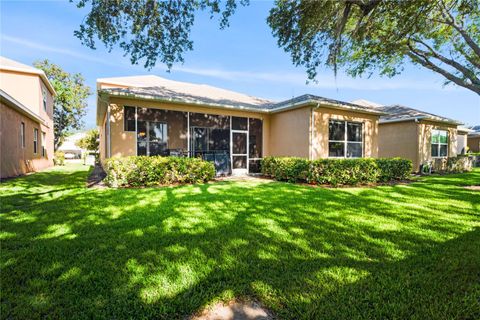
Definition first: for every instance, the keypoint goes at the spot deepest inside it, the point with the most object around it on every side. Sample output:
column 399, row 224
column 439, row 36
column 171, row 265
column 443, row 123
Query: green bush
column 138, row 171
column 336, row 171
column 394, row 169
column 59, row 158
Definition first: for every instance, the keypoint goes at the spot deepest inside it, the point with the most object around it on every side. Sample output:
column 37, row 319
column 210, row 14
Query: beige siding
column 289, row 133
column 14, row 159
column 412, row 140
column 399, row 139
column 320, row 132
column 27, row 89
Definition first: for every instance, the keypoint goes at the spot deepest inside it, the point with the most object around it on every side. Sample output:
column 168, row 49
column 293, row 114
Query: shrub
column 459, row 164
column 151, row 171
column 343, row 171
column 394, row 169
column 59, row 158
column 286, row 169
column 336, row 171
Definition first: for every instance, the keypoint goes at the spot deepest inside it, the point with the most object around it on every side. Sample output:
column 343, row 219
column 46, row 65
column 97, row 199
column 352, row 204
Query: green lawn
column 392, row 252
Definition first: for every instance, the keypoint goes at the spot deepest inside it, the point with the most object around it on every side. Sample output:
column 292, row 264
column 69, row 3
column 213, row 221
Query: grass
column 391, row 252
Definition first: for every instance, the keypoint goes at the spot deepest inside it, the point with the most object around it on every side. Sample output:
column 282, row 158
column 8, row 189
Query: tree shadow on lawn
column 303, row 252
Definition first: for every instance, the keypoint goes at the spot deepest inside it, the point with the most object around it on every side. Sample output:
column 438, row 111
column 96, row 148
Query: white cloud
column 62, row 51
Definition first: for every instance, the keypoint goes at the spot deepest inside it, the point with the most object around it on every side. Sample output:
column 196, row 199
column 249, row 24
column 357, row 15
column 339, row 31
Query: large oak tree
column 360, row 36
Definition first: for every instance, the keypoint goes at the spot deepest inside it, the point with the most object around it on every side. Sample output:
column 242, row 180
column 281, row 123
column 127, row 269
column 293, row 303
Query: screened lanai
column 233, row 144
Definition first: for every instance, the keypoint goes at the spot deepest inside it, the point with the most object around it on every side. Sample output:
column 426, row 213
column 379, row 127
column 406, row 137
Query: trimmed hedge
column 136, row 171
column 336, row 171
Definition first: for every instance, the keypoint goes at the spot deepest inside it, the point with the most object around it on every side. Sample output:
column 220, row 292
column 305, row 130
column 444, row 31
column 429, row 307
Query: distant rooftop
column 397, row 113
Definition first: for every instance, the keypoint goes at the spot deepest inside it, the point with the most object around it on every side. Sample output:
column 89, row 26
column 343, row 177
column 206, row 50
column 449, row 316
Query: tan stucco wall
column 399, row 139
column 123, row 142
column 412, row 140
column 289, row 133
column 321, row 117
column 473, row 144
column 15, row 160
column 27, row 89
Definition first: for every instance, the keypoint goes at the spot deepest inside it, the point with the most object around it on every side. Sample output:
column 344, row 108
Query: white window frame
column 22, row 135
column 345, row 139
column 35, row 141
column 439, row 144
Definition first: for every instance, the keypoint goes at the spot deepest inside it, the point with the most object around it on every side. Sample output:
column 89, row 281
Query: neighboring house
column 149, row 115
column 462, row 139
column 473, row 140
column 26, row 119
column 69, row 146
column 413, row 134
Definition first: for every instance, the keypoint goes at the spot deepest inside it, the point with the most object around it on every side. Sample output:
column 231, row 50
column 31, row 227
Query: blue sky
column 243, row 57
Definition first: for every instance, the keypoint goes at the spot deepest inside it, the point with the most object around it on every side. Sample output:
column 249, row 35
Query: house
column 149, row 115
column 414, row 134
column 26, row 119
column 473, row 140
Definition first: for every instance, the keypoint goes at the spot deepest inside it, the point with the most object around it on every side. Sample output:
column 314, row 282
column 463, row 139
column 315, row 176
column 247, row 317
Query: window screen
column 129, row 118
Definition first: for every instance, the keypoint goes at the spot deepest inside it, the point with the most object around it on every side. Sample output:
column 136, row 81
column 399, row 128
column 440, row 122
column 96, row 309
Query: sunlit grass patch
column 404, row 251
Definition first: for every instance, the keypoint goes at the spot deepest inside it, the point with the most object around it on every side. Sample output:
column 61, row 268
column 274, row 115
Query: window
column 129, row 119
column 44, row 140
column 345, row 139
column 35, row 141
column 44, row 93
column 22, row 134
column 439, row 143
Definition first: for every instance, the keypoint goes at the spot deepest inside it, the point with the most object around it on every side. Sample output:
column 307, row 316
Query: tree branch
column 424, row 61
column 451, row 21
column 465, row 71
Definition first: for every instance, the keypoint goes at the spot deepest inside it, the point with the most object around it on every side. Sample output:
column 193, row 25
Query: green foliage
column 363, row 36
column 138, row 171
column 380, row 35
column 70, row 103
column 336, row 171
column 90, row 142
column 148, row 30
column 388, row 252
column 394, row 169
column 59, row 158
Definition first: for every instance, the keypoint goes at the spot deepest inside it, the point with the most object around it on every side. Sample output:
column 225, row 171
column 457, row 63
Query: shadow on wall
column 304, row 252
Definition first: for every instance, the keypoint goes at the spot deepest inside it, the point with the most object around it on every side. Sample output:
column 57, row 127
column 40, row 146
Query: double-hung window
column 35, row 141
column 439, row 143
column 345, row 139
